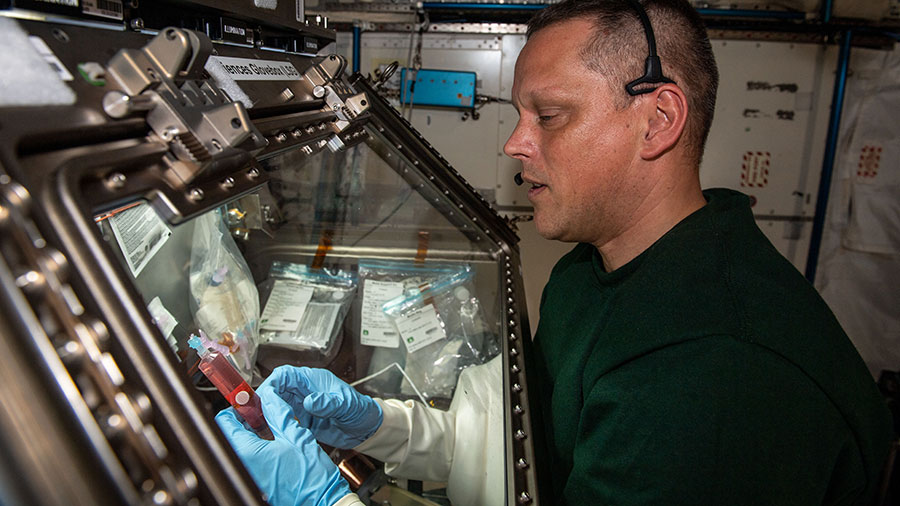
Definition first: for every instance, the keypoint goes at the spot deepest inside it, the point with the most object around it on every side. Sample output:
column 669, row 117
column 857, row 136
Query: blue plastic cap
column 195, row 343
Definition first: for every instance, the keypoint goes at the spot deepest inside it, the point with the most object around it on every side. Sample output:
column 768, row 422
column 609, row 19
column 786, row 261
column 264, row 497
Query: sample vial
column 233, row 387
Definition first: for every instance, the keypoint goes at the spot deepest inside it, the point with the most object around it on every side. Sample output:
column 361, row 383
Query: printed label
column 141, row 233
column 285, row 306
column 162, row 317
column 44, row 50
column 246, row 69
column 104, row 8
column 67, row 3
column 375, row 328
column 318, row 323
column 420, row 328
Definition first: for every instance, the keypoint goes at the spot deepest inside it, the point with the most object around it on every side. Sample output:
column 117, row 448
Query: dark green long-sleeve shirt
column 706, row 371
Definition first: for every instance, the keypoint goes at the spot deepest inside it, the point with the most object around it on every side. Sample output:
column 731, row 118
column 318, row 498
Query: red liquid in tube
column 238, row 393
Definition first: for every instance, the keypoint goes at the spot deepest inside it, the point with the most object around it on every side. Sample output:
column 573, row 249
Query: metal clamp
column 165, row 79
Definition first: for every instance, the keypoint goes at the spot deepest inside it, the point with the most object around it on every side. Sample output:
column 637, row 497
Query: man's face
column 576, row 149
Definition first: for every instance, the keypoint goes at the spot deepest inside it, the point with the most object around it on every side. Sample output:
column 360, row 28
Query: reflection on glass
column 353, row 261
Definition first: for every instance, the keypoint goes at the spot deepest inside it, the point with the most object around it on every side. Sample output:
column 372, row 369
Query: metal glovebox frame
column 98, row 410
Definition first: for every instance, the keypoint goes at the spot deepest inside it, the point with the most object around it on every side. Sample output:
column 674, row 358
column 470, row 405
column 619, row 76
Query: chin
column 548, row 231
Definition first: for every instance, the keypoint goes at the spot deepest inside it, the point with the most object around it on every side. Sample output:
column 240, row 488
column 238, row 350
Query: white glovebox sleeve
column 462, row 446
column 349, row 500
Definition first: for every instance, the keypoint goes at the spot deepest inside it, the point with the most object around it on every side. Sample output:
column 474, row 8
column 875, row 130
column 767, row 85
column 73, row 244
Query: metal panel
column 471, row 146
column 769, row 131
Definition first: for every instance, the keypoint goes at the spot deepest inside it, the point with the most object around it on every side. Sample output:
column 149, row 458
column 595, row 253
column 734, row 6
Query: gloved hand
column 334, row 411
column 292, row 469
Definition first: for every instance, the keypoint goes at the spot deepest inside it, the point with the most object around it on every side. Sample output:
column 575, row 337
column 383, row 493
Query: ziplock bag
column 381, row 281
column 443, row 331
column 305, row 308
column 224, row 299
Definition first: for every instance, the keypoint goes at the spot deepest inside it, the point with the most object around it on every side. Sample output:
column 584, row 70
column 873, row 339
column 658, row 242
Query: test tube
column 233, row 387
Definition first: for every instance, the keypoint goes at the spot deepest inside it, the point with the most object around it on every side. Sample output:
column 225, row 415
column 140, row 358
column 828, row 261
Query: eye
column 551, row 120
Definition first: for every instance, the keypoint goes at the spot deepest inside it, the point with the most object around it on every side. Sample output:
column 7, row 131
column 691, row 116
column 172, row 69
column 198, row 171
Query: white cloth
column 860, row 252
column 462, row 446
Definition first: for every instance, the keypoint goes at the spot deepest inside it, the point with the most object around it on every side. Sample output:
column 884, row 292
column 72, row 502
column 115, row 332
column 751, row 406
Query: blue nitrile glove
column 292, row 469
column 334, row 411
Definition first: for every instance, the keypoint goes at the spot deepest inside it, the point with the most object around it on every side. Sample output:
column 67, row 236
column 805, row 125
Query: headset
column 652, row 67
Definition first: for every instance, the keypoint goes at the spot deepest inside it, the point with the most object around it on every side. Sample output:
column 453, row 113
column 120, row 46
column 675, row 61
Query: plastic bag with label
column 224, row 299
column 381, row 281
column 443, row 331
column 305, row 308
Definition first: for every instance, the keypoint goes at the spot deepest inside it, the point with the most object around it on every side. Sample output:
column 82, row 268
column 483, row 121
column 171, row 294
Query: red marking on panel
column 755, row 169
column 869, row 161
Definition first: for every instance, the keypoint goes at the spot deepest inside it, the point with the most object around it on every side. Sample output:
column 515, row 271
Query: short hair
column 618, row 49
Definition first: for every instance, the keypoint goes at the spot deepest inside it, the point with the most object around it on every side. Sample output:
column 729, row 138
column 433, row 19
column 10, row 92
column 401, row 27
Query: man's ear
column 665, row 122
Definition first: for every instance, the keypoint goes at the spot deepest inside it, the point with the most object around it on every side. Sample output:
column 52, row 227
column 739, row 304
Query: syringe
column 233, row 387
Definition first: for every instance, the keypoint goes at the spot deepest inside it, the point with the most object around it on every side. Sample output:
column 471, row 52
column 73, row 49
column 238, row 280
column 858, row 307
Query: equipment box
column 171, row 185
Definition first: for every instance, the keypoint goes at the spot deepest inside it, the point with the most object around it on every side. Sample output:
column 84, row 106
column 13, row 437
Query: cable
column 389, row 216
column 393, row 364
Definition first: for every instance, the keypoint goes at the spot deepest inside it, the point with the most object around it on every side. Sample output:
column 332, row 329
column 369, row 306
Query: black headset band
column 652, row 66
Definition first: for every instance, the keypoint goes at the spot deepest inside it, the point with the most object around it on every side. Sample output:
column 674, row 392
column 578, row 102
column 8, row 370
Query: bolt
column 60, row 35
column 30, row 281
column 196, row 194
column 524, row 498
column 522, row 464
column 282, row 137
column 56, row 262
column 228, row 183
column 253, row 173
column 520, row 434
column 71, row 353
column 169, row 133
column 137, row 24
column 286, row 95
column 116, row 180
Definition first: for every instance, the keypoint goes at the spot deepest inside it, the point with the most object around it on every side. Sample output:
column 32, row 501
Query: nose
column 518, row 145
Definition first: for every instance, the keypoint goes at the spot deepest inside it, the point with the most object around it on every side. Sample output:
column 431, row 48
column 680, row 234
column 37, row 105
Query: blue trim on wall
column 743, row 13
column 357, row 35
column 473, row 6
column 834, row 123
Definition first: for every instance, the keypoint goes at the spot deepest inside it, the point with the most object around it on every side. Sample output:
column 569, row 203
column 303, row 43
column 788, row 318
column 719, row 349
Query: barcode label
column 104, row 8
